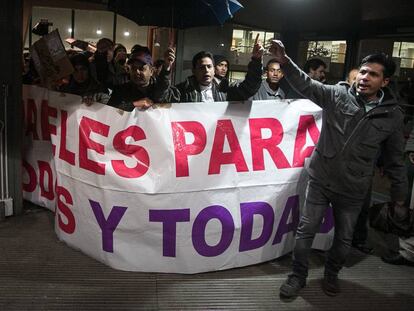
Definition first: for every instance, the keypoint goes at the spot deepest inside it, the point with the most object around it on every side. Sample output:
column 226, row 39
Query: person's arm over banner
column 164, row 92
column 321, row 94
column 251, row 84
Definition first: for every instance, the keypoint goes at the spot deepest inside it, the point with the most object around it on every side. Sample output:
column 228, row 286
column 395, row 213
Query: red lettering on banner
column 46, row 192
column 307, row 123
column 132, row 151
column 63, row 209
column 64, row 153
column 258, row 144
column 31, row 119
column 30, row 186
column 225, row 129
column 46, row 127
column 87, row 126
column 181, row 149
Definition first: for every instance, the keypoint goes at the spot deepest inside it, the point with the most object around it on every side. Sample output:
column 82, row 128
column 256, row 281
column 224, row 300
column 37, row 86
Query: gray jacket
column 265, row 92
column 351, row 137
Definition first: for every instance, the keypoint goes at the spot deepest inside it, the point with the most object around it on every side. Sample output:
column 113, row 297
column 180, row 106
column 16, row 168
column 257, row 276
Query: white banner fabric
column 182, row 188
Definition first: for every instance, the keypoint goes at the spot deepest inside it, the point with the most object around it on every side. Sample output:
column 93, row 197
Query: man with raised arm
column 357, row 120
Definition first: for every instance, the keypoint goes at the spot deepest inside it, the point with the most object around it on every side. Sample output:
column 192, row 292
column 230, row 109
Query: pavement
column 38, row 272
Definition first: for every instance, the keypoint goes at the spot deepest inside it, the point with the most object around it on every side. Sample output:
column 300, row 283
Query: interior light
column 98, row 31
column 126, row 33
column 70, row 30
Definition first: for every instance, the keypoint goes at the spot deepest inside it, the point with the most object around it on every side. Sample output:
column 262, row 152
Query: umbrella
column 176, row 13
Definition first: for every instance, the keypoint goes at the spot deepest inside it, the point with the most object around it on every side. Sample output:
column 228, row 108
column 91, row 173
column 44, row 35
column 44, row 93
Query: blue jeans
column 345, row 210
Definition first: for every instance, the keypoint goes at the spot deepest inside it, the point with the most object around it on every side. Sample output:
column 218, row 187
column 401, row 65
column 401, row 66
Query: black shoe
column 330, row 285
column 396, row 259
column 291, row 287
column 363, row 247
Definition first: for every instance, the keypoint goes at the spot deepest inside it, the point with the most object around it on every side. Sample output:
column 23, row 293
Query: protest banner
column 186, row 188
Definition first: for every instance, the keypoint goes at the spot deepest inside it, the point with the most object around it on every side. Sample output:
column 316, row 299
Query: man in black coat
column 357, row 122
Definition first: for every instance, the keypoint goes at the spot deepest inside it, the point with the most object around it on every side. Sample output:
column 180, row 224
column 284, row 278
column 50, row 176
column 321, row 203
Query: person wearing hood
column 82, row 83
column 121, row 75
column 357, row 122
column 102, row 68
column 221, row 69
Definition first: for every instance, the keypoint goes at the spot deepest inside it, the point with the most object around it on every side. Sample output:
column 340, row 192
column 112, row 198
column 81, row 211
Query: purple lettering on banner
column 169, row 219
column 108, row 225
column 248, row 210
column 328, row 221
column 199, row 227
column 292, row 207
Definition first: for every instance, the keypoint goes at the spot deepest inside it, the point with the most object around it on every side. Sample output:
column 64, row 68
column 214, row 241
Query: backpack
column 382, row 218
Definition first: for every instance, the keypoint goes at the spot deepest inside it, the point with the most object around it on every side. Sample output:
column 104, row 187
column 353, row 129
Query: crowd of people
column 362, row 123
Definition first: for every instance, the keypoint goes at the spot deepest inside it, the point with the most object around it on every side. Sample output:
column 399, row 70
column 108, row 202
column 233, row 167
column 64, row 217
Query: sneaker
column 291, row 287
column 330, row 285
column 363, row 247
column 396, row 259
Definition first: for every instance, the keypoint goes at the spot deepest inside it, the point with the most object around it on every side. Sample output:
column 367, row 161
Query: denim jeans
column 361, row 228
column 345, row 210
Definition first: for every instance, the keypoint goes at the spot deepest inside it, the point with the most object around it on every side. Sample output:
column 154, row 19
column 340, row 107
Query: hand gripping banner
column 182, row 188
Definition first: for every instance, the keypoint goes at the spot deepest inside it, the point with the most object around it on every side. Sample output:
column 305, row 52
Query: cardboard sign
column 50, row 59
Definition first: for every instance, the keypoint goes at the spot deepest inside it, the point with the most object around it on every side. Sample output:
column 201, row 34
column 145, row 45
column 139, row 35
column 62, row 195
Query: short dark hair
column 201, row 55
column 313, row 63
column 271, row 61
column 382, row 59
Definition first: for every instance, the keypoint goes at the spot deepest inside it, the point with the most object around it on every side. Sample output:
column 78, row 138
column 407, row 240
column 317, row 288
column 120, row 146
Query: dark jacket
column 190, row 90
column 351, row 137
column 285, row 91
column 90, row 88
column 159, row 91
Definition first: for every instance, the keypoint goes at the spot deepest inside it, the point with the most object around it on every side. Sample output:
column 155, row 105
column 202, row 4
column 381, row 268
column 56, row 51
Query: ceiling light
column 98, row 31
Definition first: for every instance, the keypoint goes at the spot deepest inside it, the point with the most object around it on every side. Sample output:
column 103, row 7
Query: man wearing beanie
column 221, row 68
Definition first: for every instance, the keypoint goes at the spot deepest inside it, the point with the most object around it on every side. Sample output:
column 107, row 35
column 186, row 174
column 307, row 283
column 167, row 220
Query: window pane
column 61, row 19
column 335, row 50
column 93, row 25
column 396, row 49
column 129, row 33
column 405, row 51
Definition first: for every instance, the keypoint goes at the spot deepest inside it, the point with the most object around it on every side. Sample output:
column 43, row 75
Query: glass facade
column 335, row 50
column 129, row 33
column 61, row 19
column 89, row 26
column 241, row 48
column 243, row 40
column 404, row 51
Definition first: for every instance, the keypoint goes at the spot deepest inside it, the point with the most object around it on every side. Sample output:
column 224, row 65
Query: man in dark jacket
column 201, row 87
column 143, row 89
column 221, row 69
column 356, row 120
column 275, row 86
column 82, row 83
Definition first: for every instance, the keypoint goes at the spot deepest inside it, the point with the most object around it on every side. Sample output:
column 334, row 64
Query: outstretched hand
column 278, row 50
column 169, row 57
column 258, row 49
